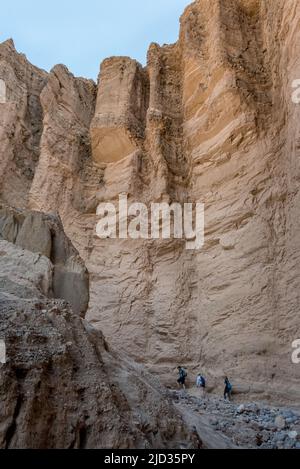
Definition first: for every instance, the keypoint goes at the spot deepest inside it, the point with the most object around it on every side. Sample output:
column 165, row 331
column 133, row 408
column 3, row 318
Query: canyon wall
column 61, row 385
column 20, row 124
column 209, row 119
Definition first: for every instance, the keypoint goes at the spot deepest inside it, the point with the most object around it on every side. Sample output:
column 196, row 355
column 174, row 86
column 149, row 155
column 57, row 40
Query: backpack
column 183, row 373
column 228, row 386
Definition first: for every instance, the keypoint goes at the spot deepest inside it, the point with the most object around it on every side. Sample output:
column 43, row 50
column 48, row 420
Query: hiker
column 228, row 389
column 200, row 383
column 182, row 374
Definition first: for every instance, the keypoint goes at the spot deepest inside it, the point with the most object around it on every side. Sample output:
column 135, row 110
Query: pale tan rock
column 35, row 235
column 23, row 273
column 122, row 102
column 216, row 130
column 43, row 234
column 62, row 386
column 20, row 124
column 221, row 128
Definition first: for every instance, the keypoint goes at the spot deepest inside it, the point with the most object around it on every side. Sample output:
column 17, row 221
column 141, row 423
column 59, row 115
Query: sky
column 81, row 33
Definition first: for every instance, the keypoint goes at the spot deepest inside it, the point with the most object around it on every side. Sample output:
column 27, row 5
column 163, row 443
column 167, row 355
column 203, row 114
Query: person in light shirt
column 201, row 383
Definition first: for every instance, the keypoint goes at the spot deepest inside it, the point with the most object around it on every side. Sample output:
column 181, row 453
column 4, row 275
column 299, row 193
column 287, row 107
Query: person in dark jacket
column 182, row 374
column 228, row 389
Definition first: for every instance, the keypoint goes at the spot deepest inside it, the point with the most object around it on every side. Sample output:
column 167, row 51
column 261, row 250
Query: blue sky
column 81, row 33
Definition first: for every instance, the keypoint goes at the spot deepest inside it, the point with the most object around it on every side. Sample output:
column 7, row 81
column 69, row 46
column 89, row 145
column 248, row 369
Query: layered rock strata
column 210, row 119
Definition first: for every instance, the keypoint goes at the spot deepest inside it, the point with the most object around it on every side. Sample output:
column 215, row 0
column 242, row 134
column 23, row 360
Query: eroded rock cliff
column 209, row 119
column 62, row 386
column 42, row 234
column 20, row 124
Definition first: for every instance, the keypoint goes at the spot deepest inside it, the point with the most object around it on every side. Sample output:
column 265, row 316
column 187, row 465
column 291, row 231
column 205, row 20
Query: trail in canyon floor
column 224, row 425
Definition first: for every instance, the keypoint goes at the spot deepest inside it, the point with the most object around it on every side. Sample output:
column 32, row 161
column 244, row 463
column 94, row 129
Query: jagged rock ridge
column 209, row 119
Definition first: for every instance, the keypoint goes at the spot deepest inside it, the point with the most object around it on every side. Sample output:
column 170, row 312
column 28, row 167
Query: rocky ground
column 223, row 424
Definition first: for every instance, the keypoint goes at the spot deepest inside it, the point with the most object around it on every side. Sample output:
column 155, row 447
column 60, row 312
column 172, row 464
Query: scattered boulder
column 280, row 422
column 241, row 409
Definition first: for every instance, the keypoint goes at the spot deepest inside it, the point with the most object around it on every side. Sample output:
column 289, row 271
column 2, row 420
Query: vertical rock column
column 117, row 129
column 164, row 119
column 20, row 124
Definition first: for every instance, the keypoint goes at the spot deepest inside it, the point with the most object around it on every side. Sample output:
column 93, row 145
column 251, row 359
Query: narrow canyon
column 95, row 328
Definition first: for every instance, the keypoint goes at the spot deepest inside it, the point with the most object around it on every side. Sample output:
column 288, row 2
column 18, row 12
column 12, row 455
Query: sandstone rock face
column 34, row 232
column 62, row 386
column 120, row 116
column 25, row 272
column 20, row 124
column 210, row 119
